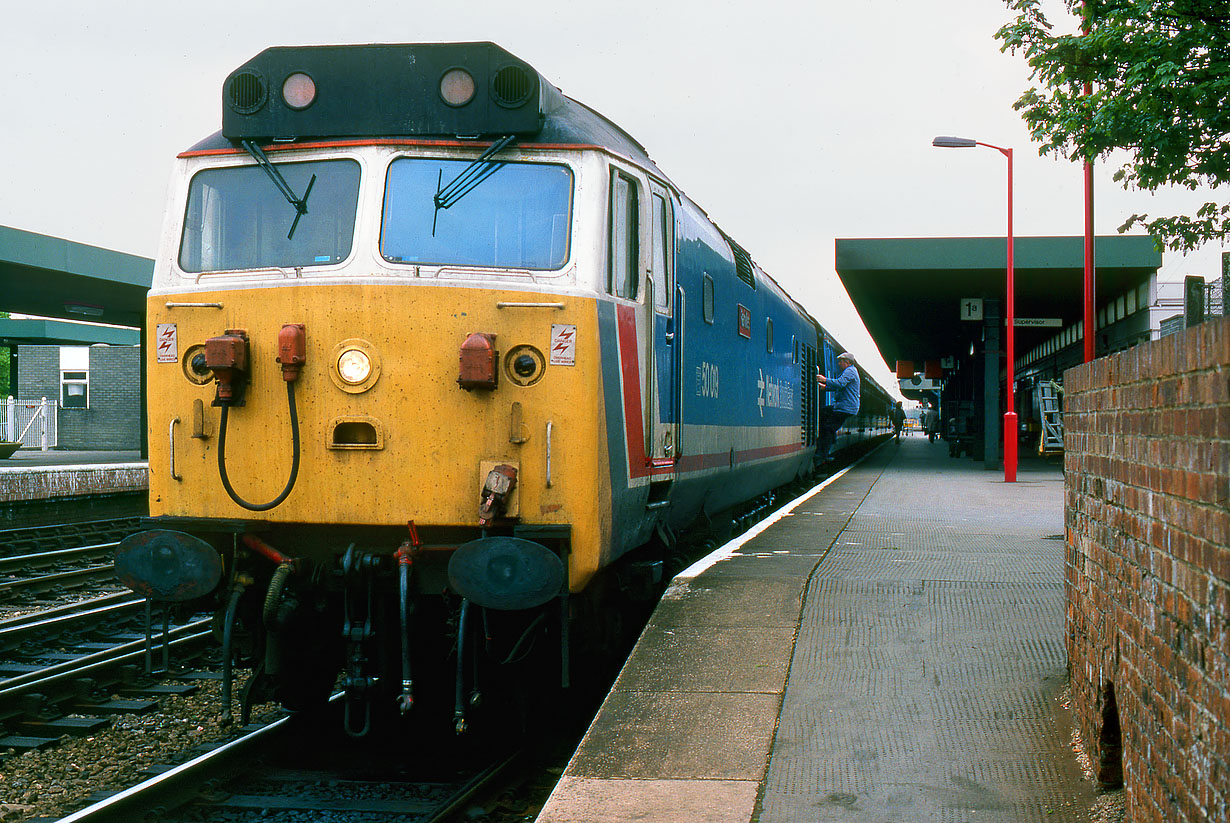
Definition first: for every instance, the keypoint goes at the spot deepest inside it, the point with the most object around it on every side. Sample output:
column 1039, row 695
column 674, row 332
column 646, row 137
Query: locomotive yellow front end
column 374, row 380
column 407, row 397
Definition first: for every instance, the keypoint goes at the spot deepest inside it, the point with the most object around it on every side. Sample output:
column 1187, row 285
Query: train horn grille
column 512, row 86
column 246, row 91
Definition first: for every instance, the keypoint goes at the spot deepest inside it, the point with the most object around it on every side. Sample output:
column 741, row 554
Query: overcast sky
column 790, row 123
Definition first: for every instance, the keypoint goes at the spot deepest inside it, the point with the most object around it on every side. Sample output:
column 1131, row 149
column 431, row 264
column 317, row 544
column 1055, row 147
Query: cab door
column 665, row 315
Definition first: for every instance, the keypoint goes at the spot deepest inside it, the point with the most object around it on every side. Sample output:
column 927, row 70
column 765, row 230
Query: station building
column 73, row 385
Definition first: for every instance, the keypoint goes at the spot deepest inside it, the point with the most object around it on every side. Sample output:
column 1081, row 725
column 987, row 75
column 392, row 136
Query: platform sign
column 1036, row 322
column 920, row 383
column 971, row 308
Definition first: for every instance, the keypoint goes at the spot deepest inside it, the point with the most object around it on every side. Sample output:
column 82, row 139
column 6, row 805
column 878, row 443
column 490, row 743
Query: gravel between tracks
column 56, row 781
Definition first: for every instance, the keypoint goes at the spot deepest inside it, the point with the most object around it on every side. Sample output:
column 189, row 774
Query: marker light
column 299, row 91
column 354, row 366
column 457, row 87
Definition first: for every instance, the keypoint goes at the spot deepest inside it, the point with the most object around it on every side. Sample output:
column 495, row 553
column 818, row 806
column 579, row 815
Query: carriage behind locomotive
column 436, row 347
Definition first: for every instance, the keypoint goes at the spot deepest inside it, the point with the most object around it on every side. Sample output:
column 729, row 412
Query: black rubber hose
column 228, row 624
column 294, row 466
column 273, row 596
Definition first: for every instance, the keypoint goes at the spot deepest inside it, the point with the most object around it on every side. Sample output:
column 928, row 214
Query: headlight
column 354, row 366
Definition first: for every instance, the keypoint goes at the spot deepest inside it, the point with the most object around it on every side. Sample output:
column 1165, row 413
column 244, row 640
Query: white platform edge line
column 725, row 552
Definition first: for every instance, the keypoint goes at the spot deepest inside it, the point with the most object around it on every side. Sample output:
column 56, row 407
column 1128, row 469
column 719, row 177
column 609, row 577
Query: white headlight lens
column 354, row 366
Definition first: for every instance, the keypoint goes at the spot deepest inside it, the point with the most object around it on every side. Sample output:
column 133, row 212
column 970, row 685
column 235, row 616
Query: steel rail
column 115, row 598
column 23, row 561
column 472, row 787
column 45, row 581
column 128, row 652
column 33, row 536
column 151, row 799
column 17, row 633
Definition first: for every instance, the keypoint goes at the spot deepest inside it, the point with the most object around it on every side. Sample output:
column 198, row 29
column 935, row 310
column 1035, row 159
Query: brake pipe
column 459, row 705
column 261, row 547
column 228, row 623
column 405, row 567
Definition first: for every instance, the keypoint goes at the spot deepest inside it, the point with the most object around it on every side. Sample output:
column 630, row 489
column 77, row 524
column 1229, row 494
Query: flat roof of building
column 53, row 277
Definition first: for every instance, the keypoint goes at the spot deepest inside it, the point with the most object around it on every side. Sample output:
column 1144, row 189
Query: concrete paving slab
column 679, row 736
column 681, row 658
column 733, row 600
column 597, row 800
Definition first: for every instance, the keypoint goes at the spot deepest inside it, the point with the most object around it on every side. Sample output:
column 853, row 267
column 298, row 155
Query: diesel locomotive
column 438, row 360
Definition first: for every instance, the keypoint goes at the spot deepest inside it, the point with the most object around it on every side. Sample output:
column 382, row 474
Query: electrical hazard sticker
column 563, row 345
column 168, row 343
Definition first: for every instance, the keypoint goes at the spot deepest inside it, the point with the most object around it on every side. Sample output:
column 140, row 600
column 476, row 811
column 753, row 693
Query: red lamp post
column 1010, row 430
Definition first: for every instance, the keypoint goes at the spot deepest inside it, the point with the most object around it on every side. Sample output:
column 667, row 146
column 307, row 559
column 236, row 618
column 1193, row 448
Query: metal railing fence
column 31, row 423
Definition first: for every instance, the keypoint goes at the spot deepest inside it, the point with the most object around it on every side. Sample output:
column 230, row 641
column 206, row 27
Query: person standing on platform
column 897, row 417
column 931, row 423
column 847, row 385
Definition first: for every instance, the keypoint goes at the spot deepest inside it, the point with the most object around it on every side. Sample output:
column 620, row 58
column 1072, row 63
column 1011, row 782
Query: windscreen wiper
column 469, row 179
column 300, row 203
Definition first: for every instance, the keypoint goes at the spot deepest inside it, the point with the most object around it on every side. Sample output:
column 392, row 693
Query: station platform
column 34, row 475
column 889, row 647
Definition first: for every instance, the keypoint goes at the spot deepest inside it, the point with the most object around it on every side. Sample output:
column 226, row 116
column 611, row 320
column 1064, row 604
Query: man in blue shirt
column 847, row 386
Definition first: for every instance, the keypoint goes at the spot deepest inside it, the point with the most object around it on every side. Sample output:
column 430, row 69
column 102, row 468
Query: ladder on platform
column 1049, row 393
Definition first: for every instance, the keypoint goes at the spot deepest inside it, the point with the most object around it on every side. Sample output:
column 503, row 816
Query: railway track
column 44, row 567
column 282, row 771
column 50, row 537
column 74, row 637
column 264, row 775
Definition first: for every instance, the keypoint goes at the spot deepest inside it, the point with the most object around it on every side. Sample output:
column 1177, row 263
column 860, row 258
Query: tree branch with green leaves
column 1160, row 77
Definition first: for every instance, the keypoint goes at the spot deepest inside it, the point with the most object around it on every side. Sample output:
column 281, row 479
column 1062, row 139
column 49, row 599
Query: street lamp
column 1010, row 432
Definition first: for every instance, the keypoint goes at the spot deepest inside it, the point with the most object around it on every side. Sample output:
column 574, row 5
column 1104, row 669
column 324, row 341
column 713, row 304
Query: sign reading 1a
column 971, row 308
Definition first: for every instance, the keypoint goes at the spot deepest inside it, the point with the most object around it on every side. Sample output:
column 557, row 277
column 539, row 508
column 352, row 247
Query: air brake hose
column 294, row 466
column 273, row 597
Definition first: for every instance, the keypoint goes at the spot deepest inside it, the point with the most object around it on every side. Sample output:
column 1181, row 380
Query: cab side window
column 624, row 259
column 664, row 281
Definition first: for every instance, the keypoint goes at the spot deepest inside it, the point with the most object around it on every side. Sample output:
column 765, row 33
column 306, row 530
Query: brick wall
column 113, row 420
column 1147, row 481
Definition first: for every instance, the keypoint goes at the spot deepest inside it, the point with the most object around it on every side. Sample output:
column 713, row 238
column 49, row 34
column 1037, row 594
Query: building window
column 74, row 377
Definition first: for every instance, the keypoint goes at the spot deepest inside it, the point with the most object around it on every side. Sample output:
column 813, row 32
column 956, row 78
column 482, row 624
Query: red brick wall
column 1147, row 477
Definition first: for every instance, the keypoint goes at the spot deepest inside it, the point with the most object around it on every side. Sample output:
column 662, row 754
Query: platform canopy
column 51, row 277
column 909, row 291
column 15, row 332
